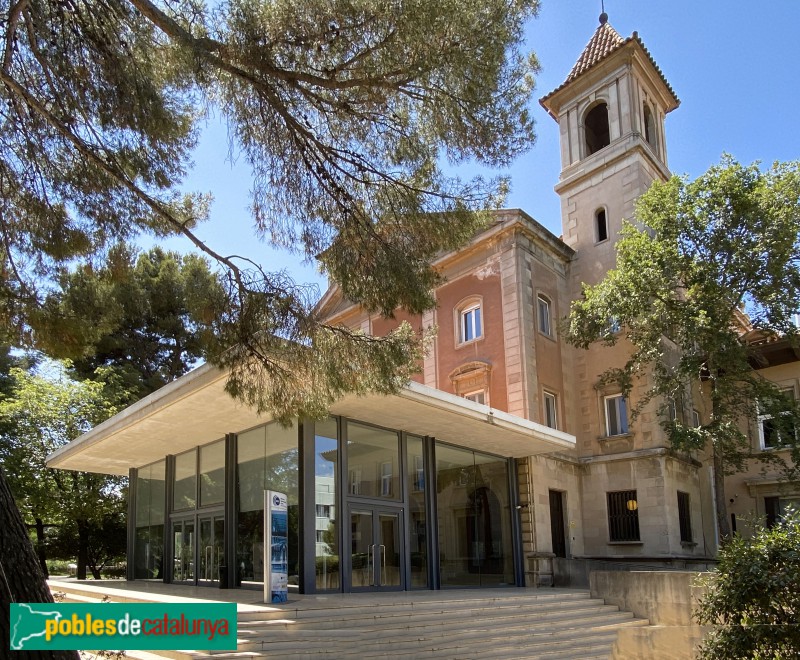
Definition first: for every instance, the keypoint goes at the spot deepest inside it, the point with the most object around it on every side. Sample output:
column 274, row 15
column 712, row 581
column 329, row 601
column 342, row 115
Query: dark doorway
column 557, row 526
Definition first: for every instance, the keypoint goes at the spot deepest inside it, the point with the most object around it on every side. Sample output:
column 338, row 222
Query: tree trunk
column 40, row 549
column 95, row 571
column 83, row 548
column 21, row 577
column 723, row 524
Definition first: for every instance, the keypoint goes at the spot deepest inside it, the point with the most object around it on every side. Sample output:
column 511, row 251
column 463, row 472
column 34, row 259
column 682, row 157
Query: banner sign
column 122, row 626
column 276, row 547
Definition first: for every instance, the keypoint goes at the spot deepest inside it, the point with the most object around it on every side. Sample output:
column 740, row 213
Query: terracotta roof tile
column 603, row 43
column 604, row 40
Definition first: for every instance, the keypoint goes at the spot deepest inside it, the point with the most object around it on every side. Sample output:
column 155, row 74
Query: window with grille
column 623, row 516
column 684, row 517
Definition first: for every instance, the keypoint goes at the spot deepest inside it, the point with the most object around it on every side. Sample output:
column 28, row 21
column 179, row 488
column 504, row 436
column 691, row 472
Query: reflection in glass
column 212, row 473
column 185, row 491
column 372, row 462
column 212, row 547
column 362, row 548
column 416, row 508
column 183, row 551
column 150, row 505
column 267, row 459
column 326, row 528
column 474, row 518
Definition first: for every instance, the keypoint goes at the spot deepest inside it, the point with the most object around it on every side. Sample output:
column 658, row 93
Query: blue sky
column 734, row 66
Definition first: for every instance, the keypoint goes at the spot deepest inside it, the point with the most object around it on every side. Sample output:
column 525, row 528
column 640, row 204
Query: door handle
column 383, row 565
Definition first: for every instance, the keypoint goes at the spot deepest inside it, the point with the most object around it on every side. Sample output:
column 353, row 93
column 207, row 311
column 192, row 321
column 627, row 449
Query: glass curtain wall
column 267, row 459
column 415, row 459
column 150, row 504
column 474, row 509
column 326, row 451
column 212, row 474
column 184, row 494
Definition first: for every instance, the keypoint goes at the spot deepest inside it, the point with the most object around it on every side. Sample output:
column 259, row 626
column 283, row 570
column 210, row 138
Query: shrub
column 753, row 601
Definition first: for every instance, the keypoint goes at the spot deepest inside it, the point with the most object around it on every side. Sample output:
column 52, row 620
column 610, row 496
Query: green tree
column 344, row 111
column 145, row 319
column 698, row 254
column 753, row 600
column 42, row 414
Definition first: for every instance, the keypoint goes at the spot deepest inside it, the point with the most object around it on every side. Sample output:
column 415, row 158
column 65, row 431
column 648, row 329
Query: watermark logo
column 129, row 626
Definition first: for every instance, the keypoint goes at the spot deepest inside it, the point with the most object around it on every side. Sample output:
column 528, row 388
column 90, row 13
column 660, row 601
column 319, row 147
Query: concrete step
column 379, row 619
column 554, row 625
column 414, row 641
column 466, row 630
column 313, row 610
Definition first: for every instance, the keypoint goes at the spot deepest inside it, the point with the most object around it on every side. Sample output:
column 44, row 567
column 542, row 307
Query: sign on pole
column 276, row 547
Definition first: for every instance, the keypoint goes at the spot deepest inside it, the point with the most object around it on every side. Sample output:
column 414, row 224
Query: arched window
column 596, row 128
column 470, row 321
column 600, row 225
column 650, row 127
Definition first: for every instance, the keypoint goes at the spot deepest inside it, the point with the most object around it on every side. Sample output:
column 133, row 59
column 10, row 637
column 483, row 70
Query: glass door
column 377, row 550
column 183, row 547
column 210, row 549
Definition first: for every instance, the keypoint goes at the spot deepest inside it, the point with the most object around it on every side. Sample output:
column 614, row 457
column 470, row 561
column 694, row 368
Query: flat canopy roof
column 195, row 410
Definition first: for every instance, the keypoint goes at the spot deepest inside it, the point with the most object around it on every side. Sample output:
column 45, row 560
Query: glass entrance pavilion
column 412, row 491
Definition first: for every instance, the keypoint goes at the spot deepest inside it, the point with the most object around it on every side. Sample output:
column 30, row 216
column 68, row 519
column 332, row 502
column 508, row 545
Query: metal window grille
column 623, row 516
column 684, row 517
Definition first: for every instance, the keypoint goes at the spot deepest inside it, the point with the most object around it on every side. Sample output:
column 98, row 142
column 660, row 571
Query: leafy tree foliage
column 144, row 319
column 342, row 109
column 698, row 254
column 42, row 415
column 754, row 598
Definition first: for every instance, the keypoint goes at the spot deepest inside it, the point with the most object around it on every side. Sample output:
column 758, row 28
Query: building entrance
column 377, row 548
column 198, row 548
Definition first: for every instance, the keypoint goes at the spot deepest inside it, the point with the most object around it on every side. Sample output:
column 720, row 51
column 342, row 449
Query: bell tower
column 610, row 112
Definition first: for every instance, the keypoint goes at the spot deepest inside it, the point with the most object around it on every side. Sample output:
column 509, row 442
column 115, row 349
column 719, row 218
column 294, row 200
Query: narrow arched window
column 596, row 128
column 600, row 225
column 650, row 127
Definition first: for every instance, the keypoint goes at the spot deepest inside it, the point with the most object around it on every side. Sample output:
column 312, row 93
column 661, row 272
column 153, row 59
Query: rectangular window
column 550, row 410
column 695, row 419
column 477, row 397
column 771, row 430
column 616, row 415
column 543, row 308
column 776, row 508
column 623, row 516
column 684, row 517
column 323, row 511
column 470, row 322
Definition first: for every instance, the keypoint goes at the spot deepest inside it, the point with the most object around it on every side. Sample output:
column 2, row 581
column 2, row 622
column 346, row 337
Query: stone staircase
column 510, row 623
